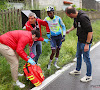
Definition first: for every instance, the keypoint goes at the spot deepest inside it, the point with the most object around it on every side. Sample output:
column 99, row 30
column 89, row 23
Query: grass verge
column 67, row 53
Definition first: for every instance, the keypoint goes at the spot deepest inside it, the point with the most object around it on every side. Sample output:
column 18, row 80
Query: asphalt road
column 72, row 82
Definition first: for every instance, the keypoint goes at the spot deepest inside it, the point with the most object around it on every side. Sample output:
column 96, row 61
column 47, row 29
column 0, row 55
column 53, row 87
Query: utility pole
column 32, row 3
column 80, row 3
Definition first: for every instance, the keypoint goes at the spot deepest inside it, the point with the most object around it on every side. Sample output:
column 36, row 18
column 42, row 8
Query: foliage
column 3, row 4
column 74, row 6
column 84, row 9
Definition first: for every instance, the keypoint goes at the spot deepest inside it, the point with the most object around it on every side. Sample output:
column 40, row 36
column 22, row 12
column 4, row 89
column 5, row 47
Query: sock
column 50, row 62
column 56, row 60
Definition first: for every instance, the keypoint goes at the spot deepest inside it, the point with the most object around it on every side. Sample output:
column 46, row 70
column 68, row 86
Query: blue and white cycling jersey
column 54, row 25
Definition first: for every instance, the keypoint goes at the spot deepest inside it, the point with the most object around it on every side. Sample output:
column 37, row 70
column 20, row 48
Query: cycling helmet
column 50, row 8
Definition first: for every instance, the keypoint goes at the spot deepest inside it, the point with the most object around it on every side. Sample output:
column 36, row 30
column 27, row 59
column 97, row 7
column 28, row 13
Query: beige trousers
column 12, row 58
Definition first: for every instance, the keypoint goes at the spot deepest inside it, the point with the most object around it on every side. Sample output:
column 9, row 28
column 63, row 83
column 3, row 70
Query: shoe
column 26, row 78
column 75, row 72
column 56, row 66
column 38, row 64
column 86, row 79
column 19, row 84
column 19, row 74
column 48, row 66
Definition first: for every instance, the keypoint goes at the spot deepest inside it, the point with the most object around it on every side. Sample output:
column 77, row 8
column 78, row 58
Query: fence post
column 9, row 20
column 3, row 21
column 12, row 17
column 20, row 19
column 6, row 20
column 43, row 14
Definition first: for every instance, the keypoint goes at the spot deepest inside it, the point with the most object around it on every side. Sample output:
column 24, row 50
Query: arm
column 40, row 39
column 44, row 23
column 28, row 26
column 20, row 48
column 48, row 30
column 63, row 26
column 89, row 37
column 86, row 24
column 71, row 29
column 28, row 29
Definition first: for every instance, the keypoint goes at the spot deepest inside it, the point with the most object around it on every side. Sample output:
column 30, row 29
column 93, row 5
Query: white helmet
column 49, row 8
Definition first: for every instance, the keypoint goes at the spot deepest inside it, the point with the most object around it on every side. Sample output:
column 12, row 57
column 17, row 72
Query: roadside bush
column 84, row 9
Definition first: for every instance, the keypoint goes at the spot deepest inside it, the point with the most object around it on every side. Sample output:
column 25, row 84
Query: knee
column 39, row 53
column 87, row 60
column 79, row 56
column 53, row 52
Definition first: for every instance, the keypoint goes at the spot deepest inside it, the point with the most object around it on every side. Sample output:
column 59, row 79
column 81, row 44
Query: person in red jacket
column 34, row 23
column 12, row 46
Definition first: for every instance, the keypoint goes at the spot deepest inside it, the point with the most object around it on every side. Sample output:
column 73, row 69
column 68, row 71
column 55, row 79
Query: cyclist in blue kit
column 56, row 38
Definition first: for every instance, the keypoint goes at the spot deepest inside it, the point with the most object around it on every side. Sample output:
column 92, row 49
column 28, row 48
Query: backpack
column 33, row 73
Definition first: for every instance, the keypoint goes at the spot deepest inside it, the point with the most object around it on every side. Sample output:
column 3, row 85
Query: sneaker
column 75, row 72
column 19, row 74
column 86, row 79
column 56, row 66
column 26, row 78
column 48, row 66
column 19, row 84
column 38, row 64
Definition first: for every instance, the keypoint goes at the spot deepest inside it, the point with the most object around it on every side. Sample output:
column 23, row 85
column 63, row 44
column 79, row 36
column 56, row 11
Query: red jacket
column 40, row 22
column 17, row 40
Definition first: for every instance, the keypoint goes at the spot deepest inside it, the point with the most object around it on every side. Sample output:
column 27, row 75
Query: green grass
column 67, row 53
column 96, row 31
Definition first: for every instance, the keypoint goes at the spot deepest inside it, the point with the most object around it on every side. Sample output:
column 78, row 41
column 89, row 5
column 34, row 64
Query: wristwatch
column 87, row 43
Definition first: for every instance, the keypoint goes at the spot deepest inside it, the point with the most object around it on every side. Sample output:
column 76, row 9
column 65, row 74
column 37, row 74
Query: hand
column 63, row 38
column 31, row 61
column 28, row 57
column 86, row 47
column 67, row 32
column 46, row 40
column 48, row 35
